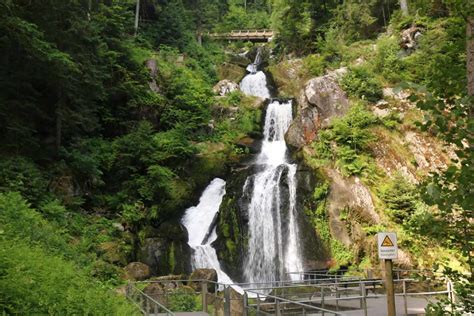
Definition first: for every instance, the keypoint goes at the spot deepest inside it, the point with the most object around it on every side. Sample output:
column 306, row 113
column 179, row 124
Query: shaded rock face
column 225, row 87
column 303, row 129
column 315, row 254
column 137, row 271
column 166, row 250
column 349, row 194
column 320, row 101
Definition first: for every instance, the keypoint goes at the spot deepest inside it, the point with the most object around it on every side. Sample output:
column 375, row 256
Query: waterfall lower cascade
column 273, row 247
column 200, row 223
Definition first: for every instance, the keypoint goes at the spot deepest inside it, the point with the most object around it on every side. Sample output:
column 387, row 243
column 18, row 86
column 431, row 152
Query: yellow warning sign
column 387, row 242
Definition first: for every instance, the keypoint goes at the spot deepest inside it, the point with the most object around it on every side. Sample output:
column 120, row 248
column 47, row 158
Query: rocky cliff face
column 321, row 100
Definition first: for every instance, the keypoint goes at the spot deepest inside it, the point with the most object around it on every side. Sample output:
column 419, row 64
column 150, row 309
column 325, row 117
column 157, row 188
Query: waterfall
column 255, row 83
column 200, row 223
column 273, row 247
column 273, row 236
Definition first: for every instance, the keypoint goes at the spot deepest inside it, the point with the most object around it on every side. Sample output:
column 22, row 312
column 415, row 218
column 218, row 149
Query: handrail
column 146, row 296
column 298, row 303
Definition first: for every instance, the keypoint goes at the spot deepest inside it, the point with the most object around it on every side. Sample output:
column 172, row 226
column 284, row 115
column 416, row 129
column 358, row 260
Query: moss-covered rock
column 165, row 249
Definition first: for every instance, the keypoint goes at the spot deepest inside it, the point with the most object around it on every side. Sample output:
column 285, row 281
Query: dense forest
column 110, row 131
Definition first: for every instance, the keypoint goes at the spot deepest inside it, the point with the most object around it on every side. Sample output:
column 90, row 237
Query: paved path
column 378, row 306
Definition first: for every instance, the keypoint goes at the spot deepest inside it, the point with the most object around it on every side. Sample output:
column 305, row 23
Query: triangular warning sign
column 387, row 242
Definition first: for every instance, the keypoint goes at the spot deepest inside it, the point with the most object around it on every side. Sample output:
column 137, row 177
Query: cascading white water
column 199, row 221
column 255, row 83
column 273, row 244
column 273, row 247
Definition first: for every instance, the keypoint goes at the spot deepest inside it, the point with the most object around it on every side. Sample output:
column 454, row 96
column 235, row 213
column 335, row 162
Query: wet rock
column 225, row 87
column 315, row 253
column 137, row 271
column 165, row 249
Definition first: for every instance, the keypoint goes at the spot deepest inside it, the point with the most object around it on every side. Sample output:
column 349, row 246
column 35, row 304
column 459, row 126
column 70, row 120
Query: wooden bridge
column 244, row 35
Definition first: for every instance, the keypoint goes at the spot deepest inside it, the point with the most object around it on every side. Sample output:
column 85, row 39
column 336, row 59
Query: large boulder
column 321, row 100
column 203, row 275
column 137, row 271
column 328, row 97
column 225, row 87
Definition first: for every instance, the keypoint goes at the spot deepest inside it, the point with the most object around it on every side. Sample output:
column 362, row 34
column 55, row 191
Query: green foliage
column 319, row 219
column 22, row 175
column 362, row 83
column 182, row 300
column 388, row 60
column 41, row 271
column 400, row 197
column 35, row 282
column 353, row 19
column 346, row 142
column 439, row 61
column 237, row 18
column 314, row 65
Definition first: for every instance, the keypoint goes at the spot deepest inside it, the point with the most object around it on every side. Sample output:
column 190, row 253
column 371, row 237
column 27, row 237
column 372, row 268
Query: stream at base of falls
column 273, row 241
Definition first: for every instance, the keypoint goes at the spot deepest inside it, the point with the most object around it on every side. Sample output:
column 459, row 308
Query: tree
column 404, row 7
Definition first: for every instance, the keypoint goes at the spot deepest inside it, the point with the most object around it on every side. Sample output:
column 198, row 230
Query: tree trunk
column 470, row 55
column 404, row 7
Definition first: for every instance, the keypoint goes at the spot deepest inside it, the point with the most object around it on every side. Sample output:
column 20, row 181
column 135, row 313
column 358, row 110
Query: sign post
column 388, row 250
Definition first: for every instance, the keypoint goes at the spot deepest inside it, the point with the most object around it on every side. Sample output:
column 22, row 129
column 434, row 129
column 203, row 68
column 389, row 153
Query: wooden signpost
column 388, row 250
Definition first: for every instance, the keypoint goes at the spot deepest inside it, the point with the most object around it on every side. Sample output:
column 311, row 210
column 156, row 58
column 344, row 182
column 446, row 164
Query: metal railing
column 323, row 294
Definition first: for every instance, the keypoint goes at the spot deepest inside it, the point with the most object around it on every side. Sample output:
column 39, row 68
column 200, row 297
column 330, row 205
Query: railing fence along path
column 316, row 294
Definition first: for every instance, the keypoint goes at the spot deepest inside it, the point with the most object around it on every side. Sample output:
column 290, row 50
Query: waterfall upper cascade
column 273, row 231
column 199, row 221
column 255, row 83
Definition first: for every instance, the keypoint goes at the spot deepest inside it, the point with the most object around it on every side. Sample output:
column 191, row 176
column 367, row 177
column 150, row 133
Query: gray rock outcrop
column 225, row 87
column 321, row 100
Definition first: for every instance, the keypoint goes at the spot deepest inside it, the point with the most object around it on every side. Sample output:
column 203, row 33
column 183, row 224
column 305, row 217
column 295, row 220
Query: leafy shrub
column 183, row 300
column 22, row 175
column 361, row 82
column 388, row 60
column 35, row 282
column 314, row 65
column 400, row 197
column 346, row 140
